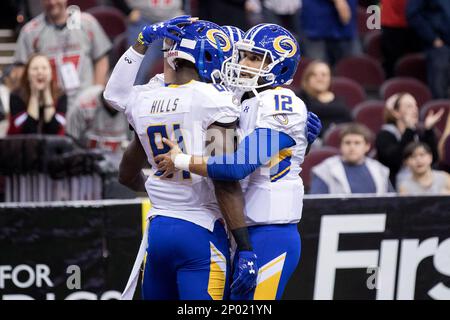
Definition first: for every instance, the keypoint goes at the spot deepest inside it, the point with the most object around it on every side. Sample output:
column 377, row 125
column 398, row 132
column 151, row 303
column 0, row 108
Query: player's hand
column 246, row 273
column 166, row 29
column 313, row 127
column 166, row 162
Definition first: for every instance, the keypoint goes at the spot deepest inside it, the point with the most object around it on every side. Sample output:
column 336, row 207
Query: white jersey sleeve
column 120, row 90
column 216, row 105
column 283, row 111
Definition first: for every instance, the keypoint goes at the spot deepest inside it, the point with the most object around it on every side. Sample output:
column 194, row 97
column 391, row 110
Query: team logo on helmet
column 284, row 44
column 223, row 39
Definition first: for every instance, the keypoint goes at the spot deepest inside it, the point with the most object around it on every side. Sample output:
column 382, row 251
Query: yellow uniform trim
column 283, row 154
column 145, row 208
column 269, row 278
column 279, row 174
column 217, row 273
column 178, row 85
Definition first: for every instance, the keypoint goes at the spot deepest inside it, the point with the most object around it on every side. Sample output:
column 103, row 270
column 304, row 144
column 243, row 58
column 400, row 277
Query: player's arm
column 231, row 202
column 130, row 169
column 118, row 90
column 254, row 151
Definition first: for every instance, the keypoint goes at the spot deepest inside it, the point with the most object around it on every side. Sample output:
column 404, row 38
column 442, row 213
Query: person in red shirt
column 397, row 37
column 38, row 106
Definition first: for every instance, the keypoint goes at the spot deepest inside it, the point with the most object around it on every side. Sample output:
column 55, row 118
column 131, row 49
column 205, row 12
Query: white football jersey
column 274, row 192
column 181, row 113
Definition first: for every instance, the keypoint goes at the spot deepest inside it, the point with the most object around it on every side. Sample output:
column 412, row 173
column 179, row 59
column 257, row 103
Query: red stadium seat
column 296, row 81
column 315, row 157
column 370, row 113
column 363, row 69
column 362, row 21
column 349, row 90
column 372, row 45
column 412, row 65
column 331, row 137
column 410, row 85
column 111, row 19
column 119, row 47
column 436, row 105
column 83, row 4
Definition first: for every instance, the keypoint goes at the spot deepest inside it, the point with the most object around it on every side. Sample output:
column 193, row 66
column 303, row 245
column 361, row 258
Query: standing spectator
column 38, row 106
column 401, row 128
column 144, row 12
column 77, row 49
column 352, row 171
column 397, row 38
column 316, row 83
column 431, row 20
column 423, row 179
column 95, row 124
column 330, row 29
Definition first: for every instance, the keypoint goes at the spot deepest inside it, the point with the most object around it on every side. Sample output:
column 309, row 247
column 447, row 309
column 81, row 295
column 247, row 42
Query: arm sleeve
column 57, row 124
column 318, row 186
column 23, row 48
column 255, row 150
column 389, row 150
column 20, row 122
column 119, row 88
column 414, row 14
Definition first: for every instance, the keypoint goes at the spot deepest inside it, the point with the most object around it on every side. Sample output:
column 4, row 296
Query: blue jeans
column 152, row 55
column 438, row 71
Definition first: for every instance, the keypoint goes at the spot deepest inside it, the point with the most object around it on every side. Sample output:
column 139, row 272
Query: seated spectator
column 402, row 128
column 444, row 146
column 38, row 106
column 330, row 29
column 352, row 171
column 95, row 124
column 78, row 50
column 316, row 83
column 423, row 179
column 431, row 21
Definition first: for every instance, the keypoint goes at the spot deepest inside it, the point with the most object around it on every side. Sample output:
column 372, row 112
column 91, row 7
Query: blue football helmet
column 279, row 50
column 234, row 33
column 206, row 45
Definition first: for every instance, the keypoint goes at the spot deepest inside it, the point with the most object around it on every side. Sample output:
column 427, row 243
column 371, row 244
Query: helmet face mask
column 280, row 57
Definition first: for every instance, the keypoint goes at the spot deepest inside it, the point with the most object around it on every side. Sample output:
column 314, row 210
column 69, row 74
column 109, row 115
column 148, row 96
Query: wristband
column 182, row 161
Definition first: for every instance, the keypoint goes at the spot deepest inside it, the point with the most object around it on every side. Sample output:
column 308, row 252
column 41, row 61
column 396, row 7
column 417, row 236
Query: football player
column 187, row 250
column 276, row 130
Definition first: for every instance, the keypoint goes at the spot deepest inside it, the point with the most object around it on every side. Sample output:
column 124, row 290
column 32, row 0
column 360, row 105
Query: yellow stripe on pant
column 145, row 208
column 269, row 278
column 217, row 273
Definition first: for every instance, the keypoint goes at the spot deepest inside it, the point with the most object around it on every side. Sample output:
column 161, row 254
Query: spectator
column 95, row 124
column 227, row 12
column 329, row 28
column 397, row 38
column 401, row 128
column 423, row 179
column 444, row 146
column 316, row 83
column 9, row 82
column 431, row 20
column 141, row 13
column 78, row 52
column 38, row 106
column 352, row 171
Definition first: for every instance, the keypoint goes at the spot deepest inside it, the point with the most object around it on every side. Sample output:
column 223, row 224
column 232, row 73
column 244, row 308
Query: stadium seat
column 349, row 90
column 363, row 69
column 372, row 45
column 412, row 65
column 435, row 105
column 411, row 85
column 362, row 17
column 111, row 19
column 331, row 137
column 315, row 157
column 119, row 47
column 297, row 80
column 370, row 113
column 83, row 4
